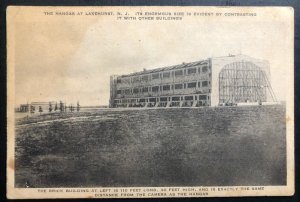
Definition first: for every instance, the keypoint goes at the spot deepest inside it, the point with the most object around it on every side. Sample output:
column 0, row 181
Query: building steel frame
column 244, row 82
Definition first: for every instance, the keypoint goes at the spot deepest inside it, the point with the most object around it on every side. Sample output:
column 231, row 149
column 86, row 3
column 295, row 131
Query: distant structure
column 215, row 81
column 37, row 107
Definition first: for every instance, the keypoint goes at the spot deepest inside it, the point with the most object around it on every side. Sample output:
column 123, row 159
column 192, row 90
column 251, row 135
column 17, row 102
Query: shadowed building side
column 113, row 86
column 211, row 82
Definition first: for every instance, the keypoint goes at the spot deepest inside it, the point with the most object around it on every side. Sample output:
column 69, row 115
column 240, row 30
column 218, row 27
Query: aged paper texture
column 141, row 102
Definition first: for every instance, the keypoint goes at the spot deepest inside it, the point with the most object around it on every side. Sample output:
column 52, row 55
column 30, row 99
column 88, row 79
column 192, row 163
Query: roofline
column 243, row 55
column 183, row 65
column 178, row 66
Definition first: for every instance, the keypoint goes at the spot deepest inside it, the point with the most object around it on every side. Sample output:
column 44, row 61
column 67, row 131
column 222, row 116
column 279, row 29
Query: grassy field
column 153, row 147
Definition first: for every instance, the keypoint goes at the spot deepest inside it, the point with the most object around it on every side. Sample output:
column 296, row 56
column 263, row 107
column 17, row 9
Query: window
column 192, row 71
column 125, row 80
column 145, row 89
column 166, row 87
column 163, row 99
column 204, row 83
column 175, row 98
column 166, row 75
column 192, row 85
column 119, row 92
column 155, row 88
column 127, row 91
column 145, row 78
column 135, row 90
column 152, row 99
column 202, row 97
column 178, row 86
column 204, row 69
column 135, row 79
column 155, row 76
column 188, row 98
column 178, row 73
column 118, row 80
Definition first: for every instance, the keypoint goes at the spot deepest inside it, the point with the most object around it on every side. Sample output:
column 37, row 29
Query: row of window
column 164, row 99
column 164, row 87
column 176, row 73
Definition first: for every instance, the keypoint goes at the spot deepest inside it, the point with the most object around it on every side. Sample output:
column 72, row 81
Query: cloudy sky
column 71, row 58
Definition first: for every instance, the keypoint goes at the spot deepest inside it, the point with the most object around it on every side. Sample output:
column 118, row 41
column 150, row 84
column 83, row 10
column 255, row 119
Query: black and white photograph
column 142, row 102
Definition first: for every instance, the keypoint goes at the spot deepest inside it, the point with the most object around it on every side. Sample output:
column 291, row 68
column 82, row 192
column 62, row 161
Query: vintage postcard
column 142, row 102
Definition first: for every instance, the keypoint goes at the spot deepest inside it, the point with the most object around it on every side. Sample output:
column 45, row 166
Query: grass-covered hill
column 153, row 147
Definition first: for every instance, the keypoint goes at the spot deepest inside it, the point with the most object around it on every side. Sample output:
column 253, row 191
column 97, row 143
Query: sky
column 72, row 58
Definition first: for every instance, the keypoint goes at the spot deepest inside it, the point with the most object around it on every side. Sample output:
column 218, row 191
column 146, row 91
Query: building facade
column 211, row 82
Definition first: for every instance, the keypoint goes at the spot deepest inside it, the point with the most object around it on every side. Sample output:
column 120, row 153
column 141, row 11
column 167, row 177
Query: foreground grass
column 162, row 147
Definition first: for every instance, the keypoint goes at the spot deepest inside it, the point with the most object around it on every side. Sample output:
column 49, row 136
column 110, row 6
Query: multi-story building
column 211, row 82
